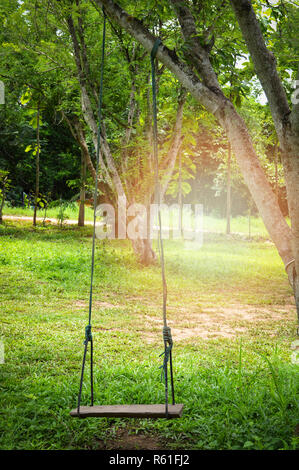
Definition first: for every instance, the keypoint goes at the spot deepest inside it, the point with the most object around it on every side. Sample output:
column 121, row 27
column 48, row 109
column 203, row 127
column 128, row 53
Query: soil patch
column 221, row 322
column 127, row 440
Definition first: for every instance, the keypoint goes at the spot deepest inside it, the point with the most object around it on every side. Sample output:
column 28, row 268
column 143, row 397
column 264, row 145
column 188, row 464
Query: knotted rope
column 167, row 338
column 88, row 334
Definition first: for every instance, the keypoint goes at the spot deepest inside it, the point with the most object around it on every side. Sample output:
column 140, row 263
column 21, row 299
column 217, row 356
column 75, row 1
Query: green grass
column 239, row 392
column 239, row 224
column 52, row 213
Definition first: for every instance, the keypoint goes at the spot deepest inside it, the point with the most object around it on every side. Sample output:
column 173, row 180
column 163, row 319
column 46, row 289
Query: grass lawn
column 70, row 212
column 239, row 224
column 233, row 321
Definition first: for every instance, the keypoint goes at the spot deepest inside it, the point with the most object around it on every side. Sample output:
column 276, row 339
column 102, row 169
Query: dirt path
column 128, row 439
column 47, row 220
column 203, row 322
column 229, row 322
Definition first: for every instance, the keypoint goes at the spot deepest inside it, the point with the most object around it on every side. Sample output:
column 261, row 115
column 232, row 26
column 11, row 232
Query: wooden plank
column 128, row 411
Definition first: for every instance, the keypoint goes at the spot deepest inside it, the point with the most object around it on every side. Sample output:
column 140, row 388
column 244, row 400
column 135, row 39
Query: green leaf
column 248, row 444
column 33, row 122
column 26, row 97
column 268, row 12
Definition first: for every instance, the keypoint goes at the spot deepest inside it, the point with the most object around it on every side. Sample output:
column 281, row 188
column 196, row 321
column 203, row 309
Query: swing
column 130, row 411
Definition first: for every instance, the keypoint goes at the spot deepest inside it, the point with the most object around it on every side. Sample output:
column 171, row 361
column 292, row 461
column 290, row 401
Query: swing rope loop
column 88, row 334
column 167, row 338
column 167, row 335
column 168, row 348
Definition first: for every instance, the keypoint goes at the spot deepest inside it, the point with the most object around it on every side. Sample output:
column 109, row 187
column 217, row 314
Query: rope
column 167, row 338
column 168, row 343
column 294, row 280
column 289, row 264
column 88, row 333
column 156, row 161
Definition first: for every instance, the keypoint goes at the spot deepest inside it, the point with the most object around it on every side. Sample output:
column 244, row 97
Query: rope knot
column 155, row 48
column 168, row 347
column 167, row 335
column 88, row 335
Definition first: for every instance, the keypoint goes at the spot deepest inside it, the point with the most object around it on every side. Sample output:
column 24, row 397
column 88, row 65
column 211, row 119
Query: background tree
column 4, row 186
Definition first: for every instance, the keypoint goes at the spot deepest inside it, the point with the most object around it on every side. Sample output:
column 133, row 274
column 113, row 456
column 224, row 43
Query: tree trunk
column 257, row 182
column 180, row 198
column 144, row 251
column 36, row 165
column 2, row 203
column 296, row 291
column 81, row 217
column 249, row 221
column 175, row 146
column 228, row 191
column 290, row 158
column 286, row 122
column 276, row 171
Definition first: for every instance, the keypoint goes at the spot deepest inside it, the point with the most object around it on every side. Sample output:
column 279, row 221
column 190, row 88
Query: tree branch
column 197, row 54
column 168, row 57
column 175, row 144
column 264, row 63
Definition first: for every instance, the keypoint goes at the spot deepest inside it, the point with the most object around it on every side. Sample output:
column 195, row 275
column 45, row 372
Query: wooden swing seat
column 128, row 411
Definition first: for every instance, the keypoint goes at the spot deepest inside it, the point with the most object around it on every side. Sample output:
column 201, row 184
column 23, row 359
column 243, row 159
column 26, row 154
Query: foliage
column 38, row 63
column 4, row 186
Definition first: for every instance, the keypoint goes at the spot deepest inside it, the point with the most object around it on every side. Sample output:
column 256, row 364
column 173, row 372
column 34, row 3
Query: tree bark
column 171, row 157
column 180, row 197
column 81, row 216
column 228, row 190
column 276, row 171
column 78, row 133
column 144, row 251
column 286, row 121
column 36, row 165
column 2, row 203
column 88, row 114
column 257, row 182
column 264, row 63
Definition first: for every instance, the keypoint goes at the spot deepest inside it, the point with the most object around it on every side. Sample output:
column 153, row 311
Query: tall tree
column 37, row 171
column 132, row 183
column 228, row 190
